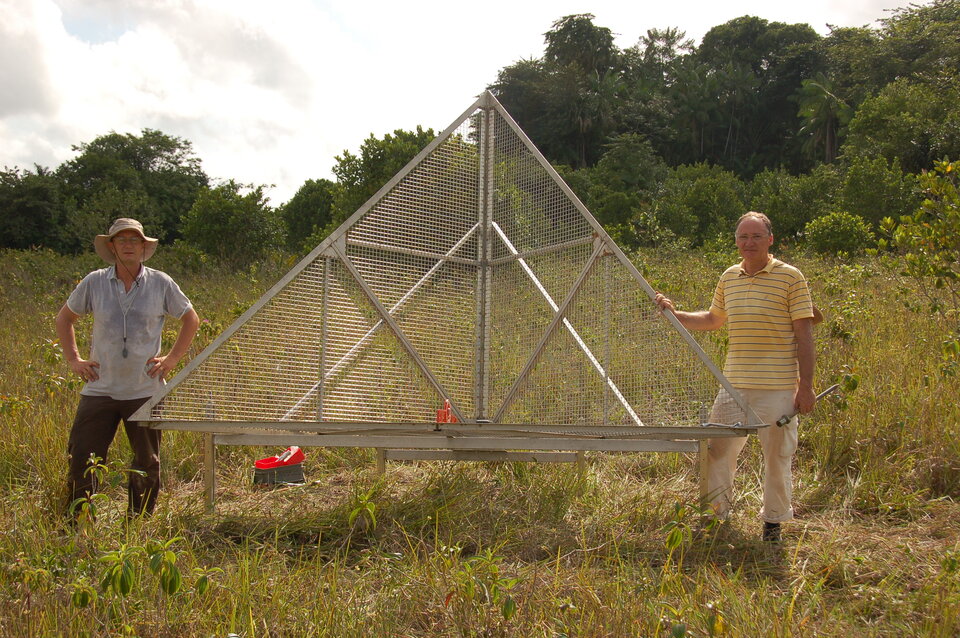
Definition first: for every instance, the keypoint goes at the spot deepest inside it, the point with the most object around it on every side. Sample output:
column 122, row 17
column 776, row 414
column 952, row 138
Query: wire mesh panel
column 528, row 205
column 417, row 250
column 368, row 375
column 562, row 388
column 519, row 316
column 434, row 205
column 474, row 276
column 665, row 381
column 526, row 294
column 265, row 368
column 634, row 367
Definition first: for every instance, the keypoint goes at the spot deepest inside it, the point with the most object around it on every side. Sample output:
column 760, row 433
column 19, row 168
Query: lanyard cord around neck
column 125, row 310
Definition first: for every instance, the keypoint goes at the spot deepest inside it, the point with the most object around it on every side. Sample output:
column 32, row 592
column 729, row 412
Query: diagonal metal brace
column 387, row 317
column 557, row 319
column 357, row 348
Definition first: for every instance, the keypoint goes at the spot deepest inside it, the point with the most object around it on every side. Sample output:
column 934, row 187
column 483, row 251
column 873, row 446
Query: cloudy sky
column 270, row 92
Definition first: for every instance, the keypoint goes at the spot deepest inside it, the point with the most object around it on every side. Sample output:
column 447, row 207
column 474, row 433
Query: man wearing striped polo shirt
column 766, row 306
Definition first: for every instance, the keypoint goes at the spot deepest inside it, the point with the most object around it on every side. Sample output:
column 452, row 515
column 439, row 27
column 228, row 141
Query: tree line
column 669, row 141
column 665, row 142
column 157, row 178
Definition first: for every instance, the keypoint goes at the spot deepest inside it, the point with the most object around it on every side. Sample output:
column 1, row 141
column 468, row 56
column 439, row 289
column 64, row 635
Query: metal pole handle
column 782, row 421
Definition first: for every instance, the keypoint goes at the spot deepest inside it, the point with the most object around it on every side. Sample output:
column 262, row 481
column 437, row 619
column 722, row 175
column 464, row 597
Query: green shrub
column 699, row 201
column 720, row 251
column 236, row 227
column 792, row 201
column 839, row 232
column 309, row 210
column 874, row 189
column 929, row 243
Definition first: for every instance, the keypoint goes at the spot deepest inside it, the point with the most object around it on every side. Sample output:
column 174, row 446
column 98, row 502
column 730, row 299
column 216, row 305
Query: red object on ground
column 291, row 456
column 446, row 415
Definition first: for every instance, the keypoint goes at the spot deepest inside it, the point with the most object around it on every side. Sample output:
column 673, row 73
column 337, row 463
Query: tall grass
column 442, row 549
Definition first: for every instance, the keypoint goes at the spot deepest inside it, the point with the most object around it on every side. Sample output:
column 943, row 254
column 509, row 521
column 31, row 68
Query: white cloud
column 270, row 92
column 23, row 74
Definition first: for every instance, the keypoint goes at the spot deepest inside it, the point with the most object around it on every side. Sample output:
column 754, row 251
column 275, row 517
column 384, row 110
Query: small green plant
column 678, row 529
column 163, row 562
column 849, row 381
column 85, row 507
column 120, row 573
column 714, row 620
column 565, row 619
column 32, row 579
column 124, row 566
column 82, row 594
column 50, row 351
column 950, row 355
column 54, row 383
column 846, row 314
column 12, row 405
column 364, row 515
column 480, row 582
column 673, row 622
column 203, row 578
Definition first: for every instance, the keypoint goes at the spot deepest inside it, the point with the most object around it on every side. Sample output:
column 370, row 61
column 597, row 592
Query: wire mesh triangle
column 475, row 276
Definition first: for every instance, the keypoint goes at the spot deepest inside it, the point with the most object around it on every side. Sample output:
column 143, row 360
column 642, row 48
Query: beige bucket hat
column 100, row 242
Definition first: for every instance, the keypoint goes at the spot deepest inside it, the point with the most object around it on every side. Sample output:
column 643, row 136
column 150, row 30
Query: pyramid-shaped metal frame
column 474, row 276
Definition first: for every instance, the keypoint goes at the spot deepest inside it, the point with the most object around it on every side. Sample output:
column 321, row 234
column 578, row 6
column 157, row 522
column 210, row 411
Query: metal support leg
column 210, row 472
column 703, row 445
column 381, row 461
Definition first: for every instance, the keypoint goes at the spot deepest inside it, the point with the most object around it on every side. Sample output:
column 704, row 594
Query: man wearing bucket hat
column 129, row 302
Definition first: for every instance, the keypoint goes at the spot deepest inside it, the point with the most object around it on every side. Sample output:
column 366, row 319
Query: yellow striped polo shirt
column 760, row 311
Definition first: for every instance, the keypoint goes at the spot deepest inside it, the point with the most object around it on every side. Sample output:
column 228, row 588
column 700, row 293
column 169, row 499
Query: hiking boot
column 771, row 532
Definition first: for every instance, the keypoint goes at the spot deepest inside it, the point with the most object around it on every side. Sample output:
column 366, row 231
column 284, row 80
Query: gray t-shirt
column 153, row 296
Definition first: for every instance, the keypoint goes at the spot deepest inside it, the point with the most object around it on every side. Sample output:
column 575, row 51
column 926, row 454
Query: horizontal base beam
column 433, row 442
column 479, row 455
column 326, row 429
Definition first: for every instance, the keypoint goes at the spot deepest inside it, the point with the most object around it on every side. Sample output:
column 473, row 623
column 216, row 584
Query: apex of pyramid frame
column 474, row 276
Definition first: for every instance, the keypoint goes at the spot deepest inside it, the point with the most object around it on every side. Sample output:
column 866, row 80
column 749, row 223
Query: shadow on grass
column 524, row 512
column 528, row 514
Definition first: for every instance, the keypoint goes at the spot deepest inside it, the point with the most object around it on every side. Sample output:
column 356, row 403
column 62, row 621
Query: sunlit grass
column 485, row 549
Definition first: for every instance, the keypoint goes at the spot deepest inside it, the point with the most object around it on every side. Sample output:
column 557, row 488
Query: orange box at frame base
column 446, row 415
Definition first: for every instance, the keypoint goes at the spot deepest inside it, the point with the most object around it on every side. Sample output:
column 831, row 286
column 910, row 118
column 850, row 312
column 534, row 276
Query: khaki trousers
column 778, row 444
column 93, row 430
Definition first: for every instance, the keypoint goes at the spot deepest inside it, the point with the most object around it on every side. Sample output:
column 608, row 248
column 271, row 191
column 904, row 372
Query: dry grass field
column 487, row 549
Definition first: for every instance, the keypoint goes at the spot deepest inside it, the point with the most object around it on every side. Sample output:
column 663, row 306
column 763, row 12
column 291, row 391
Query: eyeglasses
column 754, row 237
column 128, row 240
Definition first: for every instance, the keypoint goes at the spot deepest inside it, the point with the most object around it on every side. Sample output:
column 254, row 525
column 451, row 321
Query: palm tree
column 661, row 48
column 693, row 93
column 824, row 116
column 738, row 86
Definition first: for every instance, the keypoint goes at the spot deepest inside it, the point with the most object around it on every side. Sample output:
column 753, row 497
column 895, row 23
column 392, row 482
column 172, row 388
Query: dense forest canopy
column 665, row 141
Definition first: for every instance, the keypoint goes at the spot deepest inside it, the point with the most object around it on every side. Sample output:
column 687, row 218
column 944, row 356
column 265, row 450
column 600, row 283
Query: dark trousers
column 93, row 430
